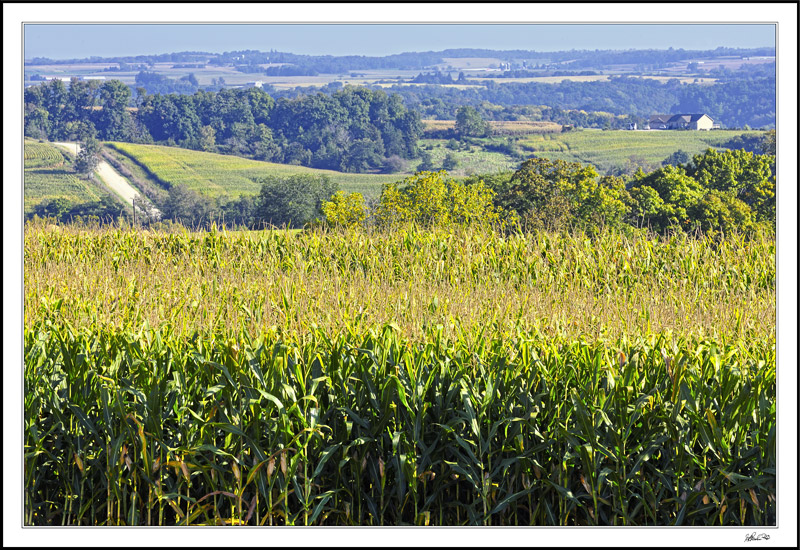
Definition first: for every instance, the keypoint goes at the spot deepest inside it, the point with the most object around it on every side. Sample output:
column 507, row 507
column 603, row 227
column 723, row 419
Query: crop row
column 215, row 174
column 141, row 427
column 42, row 184
column 605, row 148
column 42, row 155
column 415, row 278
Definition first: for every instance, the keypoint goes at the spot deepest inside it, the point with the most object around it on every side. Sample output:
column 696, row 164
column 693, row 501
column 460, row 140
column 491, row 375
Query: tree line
column 331, row 64
column 712, row 192
column 734, row 103
column 350, row 130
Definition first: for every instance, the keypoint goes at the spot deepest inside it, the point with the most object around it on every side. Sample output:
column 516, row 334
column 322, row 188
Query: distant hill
column 213, row 174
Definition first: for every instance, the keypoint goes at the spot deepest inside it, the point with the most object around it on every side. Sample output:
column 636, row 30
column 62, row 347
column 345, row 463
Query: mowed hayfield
column 48, row 175
column 216, row 175
column 605, row 149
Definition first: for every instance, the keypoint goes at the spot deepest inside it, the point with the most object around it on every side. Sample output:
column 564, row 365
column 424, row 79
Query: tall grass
column 407, row 377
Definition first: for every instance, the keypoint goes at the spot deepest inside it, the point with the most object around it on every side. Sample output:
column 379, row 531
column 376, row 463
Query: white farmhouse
column 682, row 122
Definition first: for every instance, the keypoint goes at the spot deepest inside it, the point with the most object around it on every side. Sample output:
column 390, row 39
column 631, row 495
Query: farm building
column 682, row 122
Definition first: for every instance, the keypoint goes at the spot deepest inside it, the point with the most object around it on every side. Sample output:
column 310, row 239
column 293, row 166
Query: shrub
column 291, row 200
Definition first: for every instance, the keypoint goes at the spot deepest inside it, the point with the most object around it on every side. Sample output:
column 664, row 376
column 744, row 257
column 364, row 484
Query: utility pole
column 133, row 203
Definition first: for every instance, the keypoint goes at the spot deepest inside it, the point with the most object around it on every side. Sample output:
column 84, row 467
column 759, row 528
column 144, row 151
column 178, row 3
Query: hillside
column 48, row 175
column 215, row 174
column 615, row 151
column 608, row 149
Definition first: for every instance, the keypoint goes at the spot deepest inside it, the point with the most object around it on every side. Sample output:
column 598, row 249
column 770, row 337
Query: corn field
column 397, row 378
column 42, row 155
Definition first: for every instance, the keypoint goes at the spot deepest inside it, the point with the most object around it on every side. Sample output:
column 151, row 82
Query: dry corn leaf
column 585, row 485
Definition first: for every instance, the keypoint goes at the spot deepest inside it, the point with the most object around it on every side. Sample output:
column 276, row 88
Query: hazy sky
column 60, row 41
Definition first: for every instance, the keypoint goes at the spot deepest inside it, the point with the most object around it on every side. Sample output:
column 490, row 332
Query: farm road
column 111, row 177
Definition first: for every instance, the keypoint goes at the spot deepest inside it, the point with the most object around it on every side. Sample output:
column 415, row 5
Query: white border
column 786, row 16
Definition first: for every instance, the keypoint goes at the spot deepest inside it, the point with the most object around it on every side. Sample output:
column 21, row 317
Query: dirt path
column 111, row 178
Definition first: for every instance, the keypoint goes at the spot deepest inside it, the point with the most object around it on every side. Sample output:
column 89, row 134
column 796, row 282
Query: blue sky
column 64, row 41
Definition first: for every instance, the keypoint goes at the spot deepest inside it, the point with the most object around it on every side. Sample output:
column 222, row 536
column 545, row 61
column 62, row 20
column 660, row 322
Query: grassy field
column 604, row 149
column 226, row 174
column 48, row 175
column 458, row 377
column 471, row 160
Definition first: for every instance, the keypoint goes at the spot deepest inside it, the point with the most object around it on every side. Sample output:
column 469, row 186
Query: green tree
column 721, row 211
column 291, row 201
column 52, row 208
column 470, row 123
column 54, row 100
column 37, row 123
column 747, row 176
column 450, row 162
column 648, row 208
column 208, row 140
column 549, row 193
column 264, row 146
column 678, row 157
column 679, row 192
column 769, row 143
column 187, row 206
column 88, row 157
column 426, row 163
column 237, row 212
column 113, row 121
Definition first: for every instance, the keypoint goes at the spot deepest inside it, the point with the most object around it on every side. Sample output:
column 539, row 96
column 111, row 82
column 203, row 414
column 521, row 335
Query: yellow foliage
column 345, row 210
column 430, row 198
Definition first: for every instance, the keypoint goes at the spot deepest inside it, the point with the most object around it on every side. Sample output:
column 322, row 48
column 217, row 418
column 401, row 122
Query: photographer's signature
column 753, row 536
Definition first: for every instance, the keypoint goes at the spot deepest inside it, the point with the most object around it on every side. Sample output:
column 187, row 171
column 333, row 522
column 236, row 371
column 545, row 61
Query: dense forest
column 351, row 130
column 741, row 98
column 734, row 103
column 743, row 95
